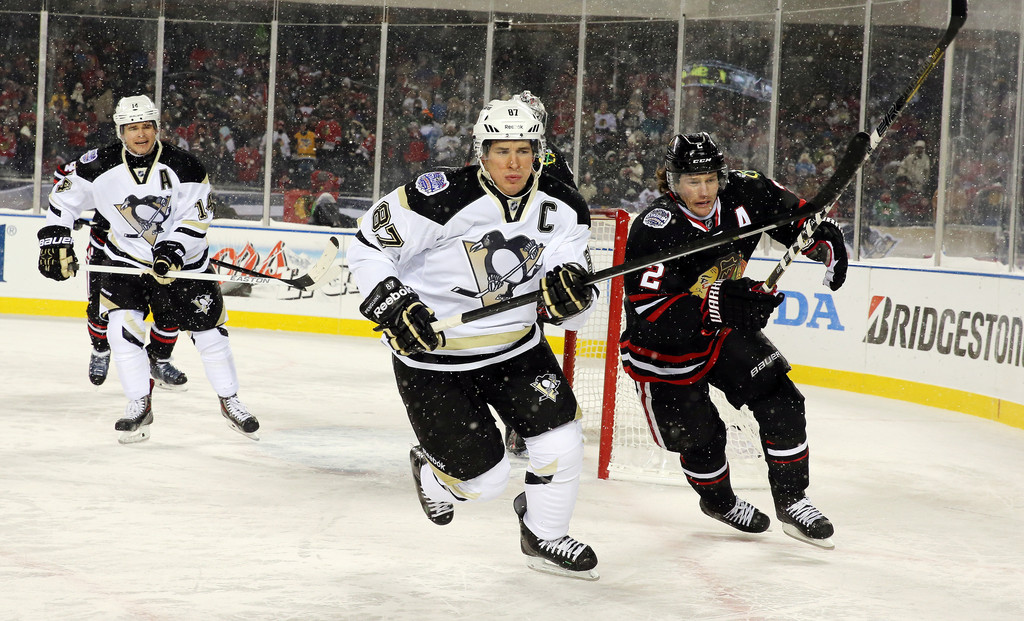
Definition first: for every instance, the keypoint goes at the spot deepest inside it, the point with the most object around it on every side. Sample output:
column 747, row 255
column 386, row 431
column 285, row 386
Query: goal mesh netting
column 612, row 414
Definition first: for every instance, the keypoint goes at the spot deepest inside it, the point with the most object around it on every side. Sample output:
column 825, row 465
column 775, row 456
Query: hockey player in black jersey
column 456, row 240
column 697, row 320
column 155, row 198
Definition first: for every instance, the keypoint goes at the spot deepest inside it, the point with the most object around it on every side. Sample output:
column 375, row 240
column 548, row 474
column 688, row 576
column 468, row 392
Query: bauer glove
column 167, row 256
column 740, row 304
column 564, row 292
column 828, row 246
column 57, row 252
column 405, row 321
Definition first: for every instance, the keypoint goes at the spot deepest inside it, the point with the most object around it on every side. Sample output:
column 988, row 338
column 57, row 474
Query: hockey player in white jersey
column 456, row 240
column 156, row 199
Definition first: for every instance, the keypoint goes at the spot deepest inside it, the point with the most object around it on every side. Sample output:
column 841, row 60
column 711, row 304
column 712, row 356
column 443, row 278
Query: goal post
column 612, row 413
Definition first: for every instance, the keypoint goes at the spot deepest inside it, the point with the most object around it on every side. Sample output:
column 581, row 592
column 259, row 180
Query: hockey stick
column 957, row 17
column 857, row 152
column 322, row 272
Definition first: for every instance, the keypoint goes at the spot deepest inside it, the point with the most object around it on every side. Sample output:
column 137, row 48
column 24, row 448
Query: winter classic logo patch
column 657, row 218
column 431, row 183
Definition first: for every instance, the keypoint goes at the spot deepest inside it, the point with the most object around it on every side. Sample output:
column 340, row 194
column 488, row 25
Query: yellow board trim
column 991, row 408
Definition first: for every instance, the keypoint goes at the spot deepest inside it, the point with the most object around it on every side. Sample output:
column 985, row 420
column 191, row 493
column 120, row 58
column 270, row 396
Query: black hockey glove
column 167, row 256
column 828, row 246
column 398, row 312
column 739, row 304
column 57, row 252
column 564, row 292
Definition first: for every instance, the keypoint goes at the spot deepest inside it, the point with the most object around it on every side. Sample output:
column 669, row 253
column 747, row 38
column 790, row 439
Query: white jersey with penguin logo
column 461, row 245
column 166, row 198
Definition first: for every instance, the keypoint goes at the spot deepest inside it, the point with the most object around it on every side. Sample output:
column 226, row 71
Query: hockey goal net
column 612, row 414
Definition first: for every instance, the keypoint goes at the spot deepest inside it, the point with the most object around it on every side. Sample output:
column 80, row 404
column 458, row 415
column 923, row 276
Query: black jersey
column 664, row 339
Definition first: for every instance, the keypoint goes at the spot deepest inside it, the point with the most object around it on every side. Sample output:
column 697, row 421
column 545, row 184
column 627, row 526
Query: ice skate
column 743, row 516
column 514, row 443
column 802, row 520
column 166, row 375
column 138, row 416
column 238, row 417
column 99, row 364
column 562, row 557
column 439, row 513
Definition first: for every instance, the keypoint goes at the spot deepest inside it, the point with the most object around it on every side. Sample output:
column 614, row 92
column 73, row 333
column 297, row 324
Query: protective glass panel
column 629, row 100
column 325, row 114
column 433, row 91
column 19, row 69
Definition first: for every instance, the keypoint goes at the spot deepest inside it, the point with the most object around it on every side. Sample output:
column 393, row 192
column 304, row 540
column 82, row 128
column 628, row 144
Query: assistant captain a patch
column 657, row 218
column 431, row 183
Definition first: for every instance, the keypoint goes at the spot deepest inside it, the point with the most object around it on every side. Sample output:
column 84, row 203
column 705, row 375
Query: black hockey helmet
column 691, row 154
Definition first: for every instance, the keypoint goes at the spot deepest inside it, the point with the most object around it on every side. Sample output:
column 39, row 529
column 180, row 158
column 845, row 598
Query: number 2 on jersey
column 652, row 277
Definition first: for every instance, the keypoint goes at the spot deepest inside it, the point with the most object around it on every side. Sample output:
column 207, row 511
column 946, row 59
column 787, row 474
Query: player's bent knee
column 126, row 330
column 488, row 485
column 212, row 343
column 558, row 453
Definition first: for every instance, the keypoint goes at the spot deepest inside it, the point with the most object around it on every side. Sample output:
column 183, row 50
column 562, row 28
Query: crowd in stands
column 215, row 100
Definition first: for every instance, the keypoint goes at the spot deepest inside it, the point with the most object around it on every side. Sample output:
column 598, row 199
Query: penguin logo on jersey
column 145, row 215
column 547, row 385
column 729, row 267
column 500, row 265
column 203, row 303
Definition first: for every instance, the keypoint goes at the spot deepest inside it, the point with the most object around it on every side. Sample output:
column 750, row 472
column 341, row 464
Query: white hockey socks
column 553, row 479
column 126, row 334
column 218, row 361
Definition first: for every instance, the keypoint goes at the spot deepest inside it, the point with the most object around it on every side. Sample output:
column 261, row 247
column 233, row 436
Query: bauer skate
column 166, row 375
column 743, row 516
column 138, row 416
column 238, row 417
column 801, row 520
column 99, row 364
column 438, row 512
column 562, row 557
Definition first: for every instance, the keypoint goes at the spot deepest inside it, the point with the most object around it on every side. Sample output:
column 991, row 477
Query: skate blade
column 547, row 567
column 252, row 436
column 171, row 387
column 133, row 437
column 795, row 533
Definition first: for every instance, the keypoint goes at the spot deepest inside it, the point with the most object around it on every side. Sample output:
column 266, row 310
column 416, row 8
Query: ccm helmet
column 508, row 120
column 692, row 154
column 135, row 109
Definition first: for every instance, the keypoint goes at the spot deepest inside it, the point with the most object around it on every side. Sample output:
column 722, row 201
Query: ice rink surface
column 319, row 519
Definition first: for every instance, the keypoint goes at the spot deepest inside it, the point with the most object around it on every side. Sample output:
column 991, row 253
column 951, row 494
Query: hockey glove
column 564, row 292
column 828, row 246
column 57, row 252
column 398, row 312
column 739, row 304
column 167, row 256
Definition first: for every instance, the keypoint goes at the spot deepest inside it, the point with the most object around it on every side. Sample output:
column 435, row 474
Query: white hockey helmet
column 135, row 109
column 508, row 120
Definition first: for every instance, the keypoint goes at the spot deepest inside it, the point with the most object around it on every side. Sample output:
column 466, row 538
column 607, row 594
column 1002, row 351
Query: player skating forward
column 156, row 200
column 163, row 335
column 696, row 321
column 453, row 241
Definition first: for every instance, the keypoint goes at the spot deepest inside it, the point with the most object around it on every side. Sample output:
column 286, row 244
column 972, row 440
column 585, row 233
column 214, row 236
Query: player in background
column 455, row 240
column 162, row 338
column 696, row 321
column 155, row 198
